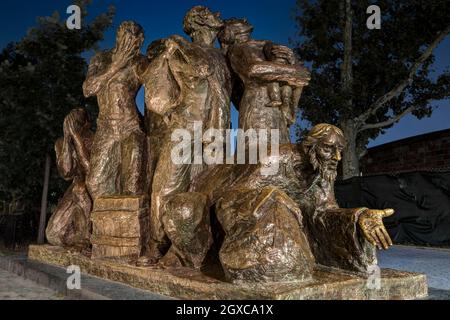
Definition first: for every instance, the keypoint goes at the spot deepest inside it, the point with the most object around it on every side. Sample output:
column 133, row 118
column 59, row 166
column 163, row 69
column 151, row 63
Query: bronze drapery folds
column 117, row 157
column 270, row 76
column 69, row 226
column 323, row 234
column 250, row 226
column 186, row 82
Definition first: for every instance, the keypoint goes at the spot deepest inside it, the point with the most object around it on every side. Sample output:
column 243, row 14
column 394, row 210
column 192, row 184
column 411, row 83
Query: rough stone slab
column 188, row 284
column 121, row 203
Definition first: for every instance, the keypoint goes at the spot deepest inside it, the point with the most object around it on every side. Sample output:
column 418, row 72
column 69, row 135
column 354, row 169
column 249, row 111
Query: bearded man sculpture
column 257, row 212
column 341, row 238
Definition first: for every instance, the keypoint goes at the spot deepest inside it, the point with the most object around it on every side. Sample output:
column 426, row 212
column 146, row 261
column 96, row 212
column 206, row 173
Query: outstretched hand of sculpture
column 373, row 229
column 345, row 238
column 326, row 156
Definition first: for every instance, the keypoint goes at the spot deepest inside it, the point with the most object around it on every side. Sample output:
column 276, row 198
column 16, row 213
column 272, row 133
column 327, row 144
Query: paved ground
column 13, row 287
column 55, row 278
column 435, row 263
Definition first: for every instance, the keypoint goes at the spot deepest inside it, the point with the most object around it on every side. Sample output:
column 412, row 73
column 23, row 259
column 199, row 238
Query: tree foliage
column 390, row 71
column 41, row 80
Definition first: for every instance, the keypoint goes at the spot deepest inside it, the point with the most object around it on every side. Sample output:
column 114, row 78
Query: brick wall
column 420, row 153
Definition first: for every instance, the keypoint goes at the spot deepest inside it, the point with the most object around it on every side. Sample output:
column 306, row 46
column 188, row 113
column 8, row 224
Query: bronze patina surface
column 262, row 68
column 119, row 226
column 185, row 82
column 241, row 198
column 211, row 230
column 117, row 156
column 69, row 224
column 187, row 283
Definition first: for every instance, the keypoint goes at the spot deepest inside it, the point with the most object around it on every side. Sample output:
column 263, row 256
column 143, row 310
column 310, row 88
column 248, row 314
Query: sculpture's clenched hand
column 284, row 53
column 371, row 224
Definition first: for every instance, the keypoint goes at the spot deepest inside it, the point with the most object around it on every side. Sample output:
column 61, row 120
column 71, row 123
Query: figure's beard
column 328, row 174
column 327, row 171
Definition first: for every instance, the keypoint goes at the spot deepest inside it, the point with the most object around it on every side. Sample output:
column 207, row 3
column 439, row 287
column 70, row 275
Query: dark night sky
column 272, row 21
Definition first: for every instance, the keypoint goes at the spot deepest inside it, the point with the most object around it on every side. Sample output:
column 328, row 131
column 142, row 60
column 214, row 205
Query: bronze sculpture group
column 253, row 227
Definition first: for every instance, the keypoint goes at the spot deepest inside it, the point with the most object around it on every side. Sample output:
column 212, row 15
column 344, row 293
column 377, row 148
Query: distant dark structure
column 426, row 152
column 412, row 176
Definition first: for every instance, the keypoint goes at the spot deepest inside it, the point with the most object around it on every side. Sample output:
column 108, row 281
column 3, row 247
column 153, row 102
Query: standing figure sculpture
column 117, row 159
column 69, row 226
column 188, row 86
column 263, row 68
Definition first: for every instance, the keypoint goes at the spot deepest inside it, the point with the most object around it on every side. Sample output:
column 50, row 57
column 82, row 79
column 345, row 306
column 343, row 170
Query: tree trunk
column 347, row 63
column 43, row 217
column 350, row 159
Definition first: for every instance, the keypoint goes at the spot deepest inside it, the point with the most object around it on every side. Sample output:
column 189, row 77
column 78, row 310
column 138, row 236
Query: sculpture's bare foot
column 170, row 260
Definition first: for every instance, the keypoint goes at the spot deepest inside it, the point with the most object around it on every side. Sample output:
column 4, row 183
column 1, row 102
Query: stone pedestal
column 186, row 283
column 119, row 226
